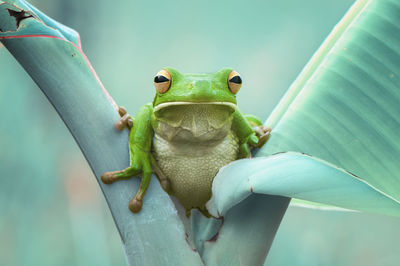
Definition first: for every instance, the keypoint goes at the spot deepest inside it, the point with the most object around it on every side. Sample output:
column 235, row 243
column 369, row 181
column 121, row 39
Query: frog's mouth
column 193, row 121
column 170, row 104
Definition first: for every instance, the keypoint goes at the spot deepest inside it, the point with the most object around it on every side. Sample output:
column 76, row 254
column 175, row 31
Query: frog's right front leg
column 140, row 140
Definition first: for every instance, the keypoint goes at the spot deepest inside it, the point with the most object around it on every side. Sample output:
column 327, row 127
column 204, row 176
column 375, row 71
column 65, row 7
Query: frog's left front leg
column 246, row 131
column 262, row 132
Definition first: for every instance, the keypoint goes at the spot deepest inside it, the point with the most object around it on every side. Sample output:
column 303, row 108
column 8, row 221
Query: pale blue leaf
column 52, row 56
column 299, row 176
column 344, row 111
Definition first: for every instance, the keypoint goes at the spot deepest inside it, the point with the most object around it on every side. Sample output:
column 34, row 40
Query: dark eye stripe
column 160, row 79
column 236, row 79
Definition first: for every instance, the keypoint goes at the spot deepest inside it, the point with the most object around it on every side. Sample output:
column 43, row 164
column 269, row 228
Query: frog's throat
column 168, row 104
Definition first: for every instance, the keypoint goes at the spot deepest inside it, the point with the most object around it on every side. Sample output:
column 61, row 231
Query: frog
column 189, row 132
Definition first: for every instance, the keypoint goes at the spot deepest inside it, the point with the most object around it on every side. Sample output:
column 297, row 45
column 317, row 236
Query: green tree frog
column 191, row 130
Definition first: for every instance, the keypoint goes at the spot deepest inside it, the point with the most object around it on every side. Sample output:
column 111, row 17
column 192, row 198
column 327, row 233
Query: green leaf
column 52, row 56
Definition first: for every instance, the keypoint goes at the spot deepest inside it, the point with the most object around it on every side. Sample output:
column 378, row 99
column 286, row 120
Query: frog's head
column 174, row 88
column 195, row 107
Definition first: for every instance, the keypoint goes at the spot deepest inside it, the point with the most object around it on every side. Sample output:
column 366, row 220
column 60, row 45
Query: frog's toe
column 119, row 125
column 267, row 130
column 263, row 140
column 122, row 122
column 263, row 134
column 108, row 177
column 129, row 122
column 135, row 205
column 121, row 111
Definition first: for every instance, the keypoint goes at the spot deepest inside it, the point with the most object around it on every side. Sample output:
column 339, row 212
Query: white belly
column 192, row 166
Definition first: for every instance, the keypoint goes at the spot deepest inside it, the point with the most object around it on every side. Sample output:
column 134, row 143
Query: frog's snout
column 202, row 91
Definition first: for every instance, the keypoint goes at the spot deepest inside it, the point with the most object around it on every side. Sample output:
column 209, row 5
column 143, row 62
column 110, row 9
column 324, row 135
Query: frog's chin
column 169, row 104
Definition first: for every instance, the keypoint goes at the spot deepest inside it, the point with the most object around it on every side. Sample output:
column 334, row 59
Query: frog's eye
column 162, row 81
column 234, row 82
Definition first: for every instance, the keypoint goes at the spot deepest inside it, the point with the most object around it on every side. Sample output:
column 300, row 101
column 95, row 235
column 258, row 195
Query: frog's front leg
column 262, row 132
column 140, row 140
column 250, row 132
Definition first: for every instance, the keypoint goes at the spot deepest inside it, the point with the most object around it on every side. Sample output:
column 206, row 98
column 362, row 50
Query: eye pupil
column 160, row 79
column 236, row 79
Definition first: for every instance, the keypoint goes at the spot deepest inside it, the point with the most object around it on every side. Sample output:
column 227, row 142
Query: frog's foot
column 108, row 177
column 125, row 121
column 111, row 177
column 263, row 133
column 135, row 205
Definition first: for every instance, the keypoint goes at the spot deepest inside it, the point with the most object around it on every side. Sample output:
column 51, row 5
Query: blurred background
column 51, row 209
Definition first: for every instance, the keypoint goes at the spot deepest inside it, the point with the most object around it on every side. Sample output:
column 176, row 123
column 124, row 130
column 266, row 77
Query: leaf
column 348, row 112
column 343, row 110
column 52, row 56
column 299, row 176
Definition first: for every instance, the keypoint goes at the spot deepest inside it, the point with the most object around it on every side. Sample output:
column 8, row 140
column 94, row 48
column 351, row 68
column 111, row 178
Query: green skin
column 195, row 127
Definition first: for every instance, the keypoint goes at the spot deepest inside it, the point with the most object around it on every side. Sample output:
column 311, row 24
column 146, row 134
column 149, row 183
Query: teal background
column 51, row 209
